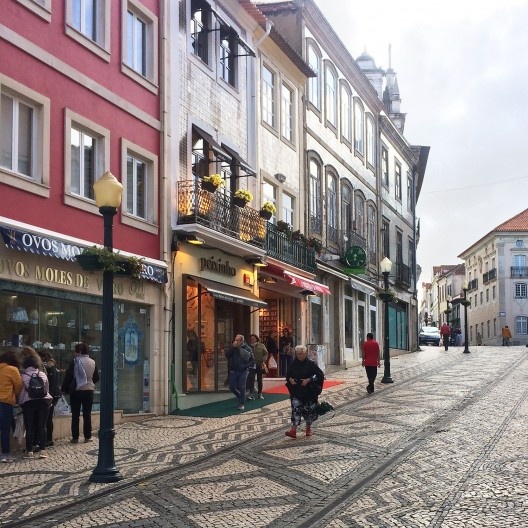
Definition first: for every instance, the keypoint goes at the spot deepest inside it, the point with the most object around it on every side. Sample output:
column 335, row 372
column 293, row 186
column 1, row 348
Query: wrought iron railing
column 216, row 211
column 281, row 245
column 351, row 238
column 473, row 285
column 519, row 271
column 403, row 274
column 489, row 275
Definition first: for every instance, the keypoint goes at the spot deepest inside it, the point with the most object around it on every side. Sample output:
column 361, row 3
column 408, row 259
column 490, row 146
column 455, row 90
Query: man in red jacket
column 371, row 360
column 445, row 332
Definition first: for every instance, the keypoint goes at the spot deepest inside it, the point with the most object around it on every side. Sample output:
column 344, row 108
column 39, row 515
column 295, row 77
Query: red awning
column 307, row 284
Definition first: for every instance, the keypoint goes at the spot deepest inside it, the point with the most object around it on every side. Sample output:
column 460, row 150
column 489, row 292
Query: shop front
column 48, row 302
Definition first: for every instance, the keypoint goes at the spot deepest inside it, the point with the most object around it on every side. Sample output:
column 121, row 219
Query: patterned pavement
column 444, row 446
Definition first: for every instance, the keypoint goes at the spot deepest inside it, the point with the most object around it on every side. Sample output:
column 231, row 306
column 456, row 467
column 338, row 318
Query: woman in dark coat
column 304, row 380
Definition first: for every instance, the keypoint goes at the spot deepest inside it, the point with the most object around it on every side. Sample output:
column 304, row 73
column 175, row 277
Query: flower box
column 265, row 214
column 209, row 186
column 239, row 202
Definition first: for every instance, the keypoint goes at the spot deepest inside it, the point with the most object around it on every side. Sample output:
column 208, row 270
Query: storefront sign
column 217, row 266
column 51, row 247
column 356, row 258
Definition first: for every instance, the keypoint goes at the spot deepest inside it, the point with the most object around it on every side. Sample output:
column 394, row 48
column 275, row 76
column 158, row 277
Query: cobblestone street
column 444, row 446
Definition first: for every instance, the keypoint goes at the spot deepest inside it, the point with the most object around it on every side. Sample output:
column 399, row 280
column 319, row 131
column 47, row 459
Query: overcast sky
column 462, row 70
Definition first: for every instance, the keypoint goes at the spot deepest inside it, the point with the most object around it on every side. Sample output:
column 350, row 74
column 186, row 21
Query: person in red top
column 445, row 332
column 371, row 360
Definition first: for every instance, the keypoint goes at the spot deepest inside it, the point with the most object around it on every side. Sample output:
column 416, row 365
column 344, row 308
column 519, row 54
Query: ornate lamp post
column 385, row 268
column 448, row 311
column 465, row 303
column 108, row 192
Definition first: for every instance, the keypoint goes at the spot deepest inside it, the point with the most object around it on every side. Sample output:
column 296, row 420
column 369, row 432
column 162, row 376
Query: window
column 24, row 137
column 385, row 239
column 87, row 157
column 519, row 243
column 269, row 193
column 371, row 234
column 481, row 297
column 370, row 141
column 359, row 128
column 360, row 214
column 487, row 295
column 397, row 181
column 346, row 116
column 488, row 324
column 346, row 210
column 227, row 54
column 493, row 292
column 331, row 96
column 384, row 166
column 332, row 208
column 268, row 96
column 314, row 89
column 409, row 193
column 140, row 49
column 476, row 301
column 521, row 325
column 287, row 208
column 200, row 29
column 399, row 247
column 519, row 261
column 315, row 197
column 494, row 327
column 520, row 290
column 88, row 22
column 140, row 187
column 287, row 113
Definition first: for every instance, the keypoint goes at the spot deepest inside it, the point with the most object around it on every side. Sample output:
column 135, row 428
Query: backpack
column 36, row 387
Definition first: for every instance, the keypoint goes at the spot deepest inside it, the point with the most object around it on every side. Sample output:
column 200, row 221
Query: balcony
column 473, row 285
column 519, row 272
column 489, row 276
column 351, row 238
column 281, row 245
column 403, row 275
column 215, row 211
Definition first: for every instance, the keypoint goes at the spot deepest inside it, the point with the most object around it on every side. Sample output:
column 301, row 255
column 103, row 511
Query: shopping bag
column 62, row 407
column 20, row 431
column 272, row 364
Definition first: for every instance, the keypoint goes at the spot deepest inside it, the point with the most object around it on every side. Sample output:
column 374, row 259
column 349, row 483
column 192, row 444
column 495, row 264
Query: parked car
column 429, row 335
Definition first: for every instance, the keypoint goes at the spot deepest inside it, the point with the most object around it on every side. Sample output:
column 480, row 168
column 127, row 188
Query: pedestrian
column 371, row 360
column 10, row 388
column 304, row 381
column 240, row 358
column 79, row 382
column 272, row 347
column 445, row 332
column 479, row 339
column 286, row 351
column 260, row 354
column 52, row 372
column 34, row 409
column 458, row 336
column 506, row 336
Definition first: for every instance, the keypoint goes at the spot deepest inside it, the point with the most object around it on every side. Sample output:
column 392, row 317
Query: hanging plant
column 102, row 259
column 243, row 194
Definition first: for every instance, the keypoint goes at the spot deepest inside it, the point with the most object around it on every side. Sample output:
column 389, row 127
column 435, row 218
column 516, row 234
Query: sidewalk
column 428, row 388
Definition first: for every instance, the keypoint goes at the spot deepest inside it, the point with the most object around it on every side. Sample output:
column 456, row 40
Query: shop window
column 88, row 22
column 24, row 137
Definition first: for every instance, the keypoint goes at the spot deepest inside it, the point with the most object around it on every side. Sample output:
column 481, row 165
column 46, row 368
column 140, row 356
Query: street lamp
column 108, row 192
column 385, row 268
column 448, row 311
column 465, row 303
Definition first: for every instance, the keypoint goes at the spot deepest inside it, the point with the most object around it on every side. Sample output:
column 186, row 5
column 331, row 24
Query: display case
column 268, row 319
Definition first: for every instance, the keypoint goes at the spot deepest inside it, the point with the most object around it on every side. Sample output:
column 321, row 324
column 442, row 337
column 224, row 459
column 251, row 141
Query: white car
column 429, row 335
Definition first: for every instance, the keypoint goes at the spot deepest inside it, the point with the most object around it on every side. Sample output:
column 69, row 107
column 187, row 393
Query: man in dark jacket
column 240, row 358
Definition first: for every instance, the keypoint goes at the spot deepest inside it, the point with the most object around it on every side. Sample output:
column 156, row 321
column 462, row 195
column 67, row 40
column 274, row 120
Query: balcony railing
column 518, row 272
column 280, row 245
column 351, row 238
column 473, row 285
column 489, row 275
column 403, row 275
column 216, row 211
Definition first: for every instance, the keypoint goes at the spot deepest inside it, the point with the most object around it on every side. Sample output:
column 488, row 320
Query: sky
column 462, row 69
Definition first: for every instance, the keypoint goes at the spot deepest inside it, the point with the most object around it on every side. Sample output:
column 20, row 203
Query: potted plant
column 267, row 210
column 242, row 197
column 316, row 244
column 102, row 259
column 283, row 226
column 212, row 182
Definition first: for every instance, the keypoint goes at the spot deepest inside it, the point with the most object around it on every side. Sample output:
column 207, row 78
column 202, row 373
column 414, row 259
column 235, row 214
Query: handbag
column 272, row 363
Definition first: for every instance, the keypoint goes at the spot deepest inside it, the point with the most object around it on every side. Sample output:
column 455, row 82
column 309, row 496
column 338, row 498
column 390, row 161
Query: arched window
column 314, row 87
column 332, row 208
column 359, row 127
column 371, row 234
column 360, row 215
column 315, row 197
column 346, row 210
column 331, row 96
column 370, row 140
column 346, row 114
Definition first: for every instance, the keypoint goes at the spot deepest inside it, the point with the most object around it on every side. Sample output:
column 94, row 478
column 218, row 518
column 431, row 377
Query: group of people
column 31, row 380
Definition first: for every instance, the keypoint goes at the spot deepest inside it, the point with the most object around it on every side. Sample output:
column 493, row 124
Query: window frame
column 359, row 214
column 409, row 192
column 347, row 209
column 521, row 325
column 330, row 96
column 100, row 46
column 102, row 135
column 370, row 147
column 228, row 54
column 331, row 204
column 42, row 10
column 206, row 25
column 315, row 196
column 287, row 113
column 345, row 110
column 521, row 290
column 398, row 180
column 151, row 222
column 269, row 99
column 385, row 175
column 150, row 79
column 314, row 83
column 39, row 182
column 359, row 127
column 288, row 213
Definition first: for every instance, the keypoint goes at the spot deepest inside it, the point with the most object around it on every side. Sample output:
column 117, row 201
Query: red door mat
column 281, row 389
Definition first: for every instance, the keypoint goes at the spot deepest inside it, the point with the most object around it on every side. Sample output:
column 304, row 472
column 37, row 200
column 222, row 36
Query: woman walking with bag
column 10, row 387
column 260, row 353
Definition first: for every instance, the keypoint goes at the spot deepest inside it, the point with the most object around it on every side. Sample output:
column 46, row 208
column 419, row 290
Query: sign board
column 356, row 260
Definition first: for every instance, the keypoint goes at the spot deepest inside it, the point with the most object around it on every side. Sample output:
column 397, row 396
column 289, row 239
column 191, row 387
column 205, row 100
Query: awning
column 307, row 284
column 44, row 244
column 357, row 285
column 212, row 143
column 226, row 292
column 239, row 161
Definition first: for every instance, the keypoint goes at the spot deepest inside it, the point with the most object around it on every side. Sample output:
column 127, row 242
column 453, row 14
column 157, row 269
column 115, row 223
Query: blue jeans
column 6, row 422
column 237, row 384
